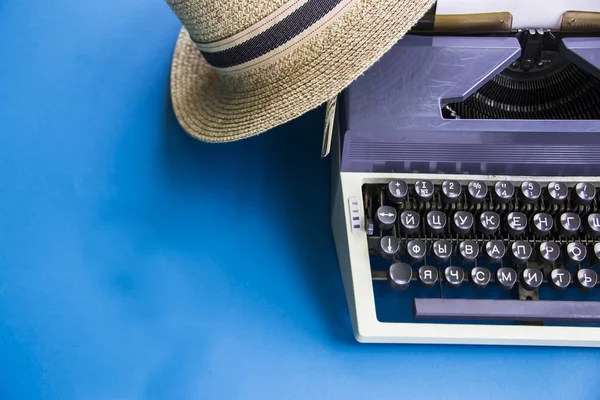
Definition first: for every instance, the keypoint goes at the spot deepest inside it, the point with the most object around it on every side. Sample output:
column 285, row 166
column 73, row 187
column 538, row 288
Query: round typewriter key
column 489, row 222
column 531, row 191
column 506, row 278
column 409, row 222
column 462, row 222
column 532, row 278
column 576, row 252
column 586, row 279
column 592, row 225
column 548, row 252
column 542, row 224
column 477, row 190
column 442, row 250
column 451, row 191
column 428, row 276
column 494, row 250
column 436, row 222
column 557, row 192
column 516, row 222
column 569, row 223
column 399, row 276
column 480, row 277
column 424, row 190
column 559, row 278
column 416, row 250
column 595, row 254
column 389, row 246
column 454, row 276
column 503, row 192
column 385, row 217
column 468, row 250
column 521, row 251
column 396, row 191
column 584, row 193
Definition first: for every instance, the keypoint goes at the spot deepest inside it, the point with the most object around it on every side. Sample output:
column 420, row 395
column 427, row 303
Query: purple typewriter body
column 392, row 117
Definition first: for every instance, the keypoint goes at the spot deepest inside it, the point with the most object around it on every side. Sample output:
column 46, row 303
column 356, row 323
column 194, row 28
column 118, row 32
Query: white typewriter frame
column 353, row 257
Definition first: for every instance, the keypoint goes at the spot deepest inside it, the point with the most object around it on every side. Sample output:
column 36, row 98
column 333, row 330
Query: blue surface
column 138, row 263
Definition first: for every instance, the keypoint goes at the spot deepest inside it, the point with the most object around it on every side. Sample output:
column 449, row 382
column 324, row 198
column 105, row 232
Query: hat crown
column 211, row 20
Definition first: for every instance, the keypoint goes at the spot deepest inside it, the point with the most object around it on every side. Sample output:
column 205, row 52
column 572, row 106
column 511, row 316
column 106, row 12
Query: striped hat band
column 274, row 36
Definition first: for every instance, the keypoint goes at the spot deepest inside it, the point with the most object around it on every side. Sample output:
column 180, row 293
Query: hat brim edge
column 205, row 112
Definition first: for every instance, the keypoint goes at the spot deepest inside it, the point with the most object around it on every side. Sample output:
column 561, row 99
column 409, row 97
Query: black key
column 559, row 279
column 521, row 251
column 548, row 252
column 454, row 276
column 530, row 191
column 468, row 250
column 557, row 192
column 389, row 246
column 595, row 254
column 592, row 225
column 532, row 278
column 503, row 192
column 396, row 191
column 586, row 279
column 436, row 222
column 576, row 252
column 385, row 217
column 569, row 223
column 442, row 250
column 416, row 250
column 542, row 224
column 494, row 250
column 489, row 222
column 506, row 278
column 476, row 190
column 428, row 276
column 480, row 277
column 399, row 276
column 424, row 191
column 583, row 194
column 451, row 191
column 462, row 222
column 516, row 222
column 409, row 222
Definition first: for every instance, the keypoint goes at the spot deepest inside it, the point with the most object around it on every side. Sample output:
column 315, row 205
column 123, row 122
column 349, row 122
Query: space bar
column 517, row 310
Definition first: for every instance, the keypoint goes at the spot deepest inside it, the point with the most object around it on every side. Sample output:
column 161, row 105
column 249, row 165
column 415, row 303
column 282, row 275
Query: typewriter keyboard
column 520, row 252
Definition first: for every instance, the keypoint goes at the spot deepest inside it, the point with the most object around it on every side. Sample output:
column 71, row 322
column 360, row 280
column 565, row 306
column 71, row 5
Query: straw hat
column 242, row 67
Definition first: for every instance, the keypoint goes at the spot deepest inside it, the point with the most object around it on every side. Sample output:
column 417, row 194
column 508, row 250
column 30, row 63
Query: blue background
column 138, row 263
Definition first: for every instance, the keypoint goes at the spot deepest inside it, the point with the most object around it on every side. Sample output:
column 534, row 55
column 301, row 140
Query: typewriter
column 466, row 180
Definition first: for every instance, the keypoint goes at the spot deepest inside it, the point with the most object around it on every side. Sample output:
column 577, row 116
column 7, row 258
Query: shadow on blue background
column 139, row 263
column 275, row 185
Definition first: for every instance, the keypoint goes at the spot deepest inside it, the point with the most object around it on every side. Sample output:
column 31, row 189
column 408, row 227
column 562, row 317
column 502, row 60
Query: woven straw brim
column 216, row 110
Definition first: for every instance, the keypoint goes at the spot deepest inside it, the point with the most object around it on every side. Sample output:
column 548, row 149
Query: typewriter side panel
column 362, row 312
